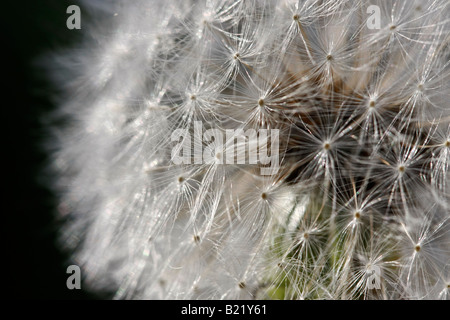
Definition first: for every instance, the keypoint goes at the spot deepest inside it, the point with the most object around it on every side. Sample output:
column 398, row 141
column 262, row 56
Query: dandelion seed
column 261, row 102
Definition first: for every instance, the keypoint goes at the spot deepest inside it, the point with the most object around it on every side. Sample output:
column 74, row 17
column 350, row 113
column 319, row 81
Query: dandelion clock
column 244, row 149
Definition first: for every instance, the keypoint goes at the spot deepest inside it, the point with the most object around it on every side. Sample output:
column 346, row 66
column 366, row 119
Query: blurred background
column 35, row 267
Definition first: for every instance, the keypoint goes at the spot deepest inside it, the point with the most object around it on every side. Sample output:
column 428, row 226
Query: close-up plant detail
column 257, row 149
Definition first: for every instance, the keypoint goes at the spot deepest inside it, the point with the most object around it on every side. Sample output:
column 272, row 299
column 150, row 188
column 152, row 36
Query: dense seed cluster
column 360, row 204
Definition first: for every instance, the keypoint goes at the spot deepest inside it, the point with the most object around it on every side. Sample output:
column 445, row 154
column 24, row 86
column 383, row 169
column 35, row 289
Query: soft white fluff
column 365, row 149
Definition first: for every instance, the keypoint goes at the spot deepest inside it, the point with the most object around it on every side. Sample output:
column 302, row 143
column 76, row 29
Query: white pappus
column 364, row 149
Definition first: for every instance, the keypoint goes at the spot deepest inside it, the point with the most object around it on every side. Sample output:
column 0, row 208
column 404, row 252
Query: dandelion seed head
column 363, row 152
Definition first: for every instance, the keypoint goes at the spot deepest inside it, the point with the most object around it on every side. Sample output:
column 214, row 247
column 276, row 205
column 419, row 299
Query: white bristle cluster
column 364, row 149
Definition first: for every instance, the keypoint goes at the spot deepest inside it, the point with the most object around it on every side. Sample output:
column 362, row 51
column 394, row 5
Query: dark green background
column 35, row 267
